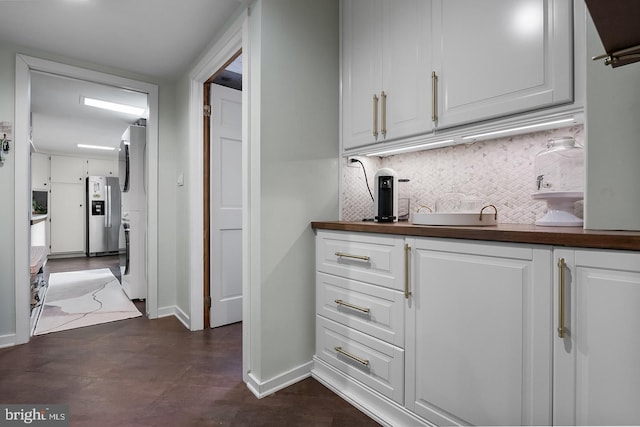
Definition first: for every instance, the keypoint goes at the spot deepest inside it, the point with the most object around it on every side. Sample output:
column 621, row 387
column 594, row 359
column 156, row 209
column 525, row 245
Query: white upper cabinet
column 385, row 61
column 68, row 170
column 102, row 167
column 499, row 57
column 411, row 66
column 40, row 171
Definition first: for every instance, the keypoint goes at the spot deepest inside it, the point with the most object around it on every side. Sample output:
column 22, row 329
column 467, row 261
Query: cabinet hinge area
column 207, row 110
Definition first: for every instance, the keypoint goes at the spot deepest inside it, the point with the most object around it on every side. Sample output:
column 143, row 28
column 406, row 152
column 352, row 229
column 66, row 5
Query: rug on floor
column 76, row 299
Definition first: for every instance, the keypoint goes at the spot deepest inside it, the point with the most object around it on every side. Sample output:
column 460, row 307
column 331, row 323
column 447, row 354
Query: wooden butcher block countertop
column 514, row 233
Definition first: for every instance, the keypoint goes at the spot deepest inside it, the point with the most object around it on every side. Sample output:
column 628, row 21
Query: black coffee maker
column 386, row 196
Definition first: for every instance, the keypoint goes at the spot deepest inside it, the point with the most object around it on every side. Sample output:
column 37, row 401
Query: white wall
column 7, row 185
column 170, row 144
column 167, row 191
column 294, row 171
column 181, row 242
column 613, row 142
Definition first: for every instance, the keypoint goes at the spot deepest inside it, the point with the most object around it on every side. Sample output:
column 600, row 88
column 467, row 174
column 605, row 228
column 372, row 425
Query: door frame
column 233, row 40
column 24, row 65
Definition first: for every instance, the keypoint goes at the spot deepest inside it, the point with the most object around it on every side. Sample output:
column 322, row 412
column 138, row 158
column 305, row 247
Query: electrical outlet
column 351, row 161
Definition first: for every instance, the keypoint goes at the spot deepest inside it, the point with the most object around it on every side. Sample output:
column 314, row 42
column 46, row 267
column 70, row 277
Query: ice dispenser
column 559, row 179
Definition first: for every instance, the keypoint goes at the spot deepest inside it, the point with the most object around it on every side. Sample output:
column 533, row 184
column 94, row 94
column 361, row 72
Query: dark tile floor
column 141, row 372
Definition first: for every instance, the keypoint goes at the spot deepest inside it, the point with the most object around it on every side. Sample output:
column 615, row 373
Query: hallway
column 141, row 372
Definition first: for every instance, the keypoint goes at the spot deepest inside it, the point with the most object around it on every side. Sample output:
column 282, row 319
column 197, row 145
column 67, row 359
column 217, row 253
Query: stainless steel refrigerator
column 103, row 215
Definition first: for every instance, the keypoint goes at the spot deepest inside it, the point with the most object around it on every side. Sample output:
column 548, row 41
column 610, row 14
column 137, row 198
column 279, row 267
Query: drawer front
column 375, row 363
column 360, row 256
column 371, row 309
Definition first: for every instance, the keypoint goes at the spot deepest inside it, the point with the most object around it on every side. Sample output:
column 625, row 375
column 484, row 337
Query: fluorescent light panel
column 439, row 144
column 96, row 147
column 113, row 106
column 517, row 129
column 435, row 144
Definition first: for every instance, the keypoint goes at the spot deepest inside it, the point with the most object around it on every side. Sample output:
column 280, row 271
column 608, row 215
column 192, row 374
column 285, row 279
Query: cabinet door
column 102, row 167
column 361, row 69
column 500, row 57
column 68, row 170
column 478, row 340
column 40, row 171
column 596, row 375
column 386, row 67
column 67, row 218
column 406, row 75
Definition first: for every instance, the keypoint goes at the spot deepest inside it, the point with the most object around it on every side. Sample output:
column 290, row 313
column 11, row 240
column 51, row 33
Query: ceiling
column 59, row 121
column 156, row 38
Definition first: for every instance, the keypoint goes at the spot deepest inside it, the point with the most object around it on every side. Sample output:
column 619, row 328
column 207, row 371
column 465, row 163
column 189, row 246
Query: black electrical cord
column 365, row 177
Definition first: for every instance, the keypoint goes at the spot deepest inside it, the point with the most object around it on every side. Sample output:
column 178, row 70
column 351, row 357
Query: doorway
column 223, row 195
column 25, row 65
column 75, row 161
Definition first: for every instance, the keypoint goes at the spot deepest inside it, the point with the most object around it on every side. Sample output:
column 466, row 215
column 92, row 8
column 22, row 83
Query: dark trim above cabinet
column 617, row 25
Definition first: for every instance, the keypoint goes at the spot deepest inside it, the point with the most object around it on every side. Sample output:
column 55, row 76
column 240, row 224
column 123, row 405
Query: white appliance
column 103, row 215
column 133, row 233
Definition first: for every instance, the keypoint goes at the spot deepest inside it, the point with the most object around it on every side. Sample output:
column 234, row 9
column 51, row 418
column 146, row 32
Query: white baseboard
column 8, row 340
column 174, row 310
column 266, row 388
column 167, row 311
column 182, row 317
column 380, row 408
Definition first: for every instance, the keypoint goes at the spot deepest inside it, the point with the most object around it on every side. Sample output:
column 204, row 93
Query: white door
column 67, row 218
column 226, row 205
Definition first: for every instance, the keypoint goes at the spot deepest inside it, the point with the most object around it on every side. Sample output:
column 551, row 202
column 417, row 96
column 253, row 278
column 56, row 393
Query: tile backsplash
column 499, row 171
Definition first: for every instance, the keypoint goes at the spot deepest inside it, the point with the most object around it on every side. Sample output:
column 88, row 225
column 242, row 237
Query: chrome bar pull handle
column 434, row 96
column 375, row 116
column 355, row 307
column 107, row 214
column 561, row 328
column 351, row 356
column 346, row 255
column 383, row 114
column 407, row 256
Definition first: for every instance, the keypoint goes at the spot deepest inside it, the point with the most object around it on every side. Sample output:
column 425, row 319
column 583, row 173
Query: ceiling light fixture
column 113, row 106
column 96, row 147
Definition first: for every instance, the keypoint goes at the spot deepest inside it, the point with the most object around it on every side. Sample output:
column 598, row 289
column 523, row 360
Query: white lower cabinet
column 478, row 344
column 362, row 357
column 67, row 218
column 419, row 331
column 360, row 322
column 597, row 361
